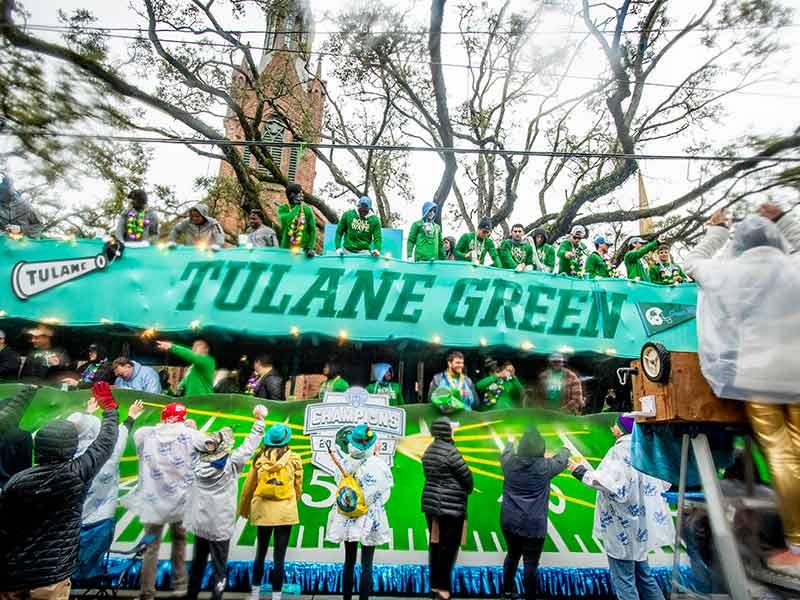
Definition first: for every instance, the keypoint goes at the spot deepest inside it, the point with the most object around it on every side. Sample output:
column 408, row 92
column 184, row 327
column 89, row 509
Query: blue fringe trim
column 326, row 578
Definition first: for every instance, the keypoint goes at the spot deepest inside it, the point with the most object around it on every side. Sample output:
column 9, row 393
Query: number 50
column 316, row 479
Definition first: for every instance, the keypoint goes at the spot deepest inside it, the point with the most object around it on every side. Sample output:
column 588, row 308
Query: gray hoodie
column 16, row 211
column 209, row 233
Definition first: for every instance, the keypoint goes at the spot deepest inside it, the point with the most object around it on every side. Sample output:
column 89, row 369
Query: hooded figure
column 383, row 384
column 371, row 529
column 448, row 483
column 137, row 223
column 211, row 510
column 359, row 230
column 16, row 445
column 40, row 507
column 425, row 241
column 523, row 513
column 298, row 225
column 544, row 251
column 16, row 214
column 199, row 228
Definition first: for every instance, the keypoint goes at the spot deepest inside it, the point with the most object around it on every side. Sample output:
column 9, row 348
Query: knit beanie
column 56, row 442
column 531, row 444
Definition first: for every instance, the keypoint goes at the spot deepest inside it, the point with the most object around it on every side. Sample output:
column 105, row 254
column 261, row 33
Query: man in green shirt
column 334, row 382
column 596, row 266
column 359, row 232
column 475, row 246
column 425, row 238
column 544, row 251
column 199, row 378
column 571, row 252
column 501, row 389
column 298, row 225
column 383, row 384
column 637, row 266
column 666, row 272
column 516, row 253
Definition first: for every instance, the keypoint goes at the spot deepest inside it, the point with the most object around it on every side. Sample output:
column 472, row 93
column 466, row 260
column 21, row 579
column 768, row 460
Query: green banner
column 273, row 293
column 479, row 436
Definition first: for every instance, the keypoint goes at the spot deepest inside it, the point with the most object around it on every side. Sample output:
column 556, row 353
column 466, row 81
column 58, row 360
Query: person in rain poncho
column 425, row 237
column 269, row 501
column 211, row 510
column 199, row 229
column 161, row 493
column 372, row 528
column 383, row 384
column 97, row 521
column 748, row 330
column 631, row 516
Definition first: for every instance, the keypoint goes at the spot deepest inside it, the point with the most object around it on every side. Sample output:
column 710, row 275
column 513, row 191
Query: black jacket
column 16, row 445
column 270, row 387
column 448, row 480
column 526, row 491
column 104, row 372
column 9, row 364
column 40, row 508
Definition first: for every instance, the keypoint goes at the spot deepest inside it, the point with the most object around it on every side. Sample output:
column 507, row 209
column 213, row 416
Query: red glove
column 102, row 393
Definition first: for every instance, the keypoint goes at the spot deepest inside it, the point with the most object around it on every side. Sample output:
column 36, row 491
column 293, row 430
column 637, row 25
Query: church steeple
column 289, row 28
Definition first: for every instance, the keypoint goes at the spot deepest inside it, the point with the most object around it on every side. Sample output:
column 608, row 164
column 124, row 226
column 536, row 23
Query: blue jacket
column 526, row 491
column 144, row 379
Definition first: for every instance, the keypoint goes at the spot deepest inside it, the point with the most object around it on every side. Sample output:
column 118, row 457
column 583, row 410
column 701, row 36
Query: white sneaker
column 255, row 592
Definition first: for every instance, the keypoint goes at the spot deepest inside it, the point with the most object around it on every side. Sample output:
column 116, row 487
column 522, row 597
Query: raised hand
column 259, row 412
column 136, row 409
column 162, row 345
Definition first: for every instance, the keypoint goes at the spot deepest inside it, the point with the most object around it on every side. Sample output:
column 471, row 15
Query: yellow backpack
column 274, row 482
column 349, row 495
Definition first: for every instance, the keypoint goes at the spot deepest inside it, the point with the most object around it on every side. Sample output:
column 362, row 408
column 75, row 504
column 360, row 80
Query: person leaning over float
column 269, row 500
column 199, row 378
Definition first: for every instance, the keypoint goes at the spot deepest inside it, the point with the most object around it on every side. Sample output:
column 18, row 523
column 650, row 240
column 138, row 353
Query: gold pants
column 777, row 431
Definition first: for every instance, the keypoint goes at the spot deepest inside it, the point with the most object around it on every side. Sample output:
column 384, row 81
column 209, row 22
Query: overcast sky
column 745, row 114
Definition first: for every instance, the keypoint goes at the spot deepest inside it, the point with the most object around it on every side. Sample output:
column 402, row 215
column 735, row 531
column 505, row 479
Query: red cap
column 173, row 413
column 102, row 393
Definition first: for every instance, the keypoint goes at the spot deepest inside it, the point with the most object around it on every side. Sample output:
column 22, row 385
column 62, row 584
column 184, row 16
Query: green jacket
column 199, row 379
column 359, row 234
column 665, row 274
column 596, row 267
column 635, row 264
column 337, row 384
column 468, row 242
column 570, row 266
column 392, row 390
column 425, row 241
column 547, row 255
column 287, row 214
column 512, row 254
column 501, row 392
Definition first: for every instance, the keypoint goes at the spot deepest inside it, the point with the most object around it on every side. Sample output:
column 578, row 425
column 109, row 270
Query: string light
column 611, row 351
column 437, row 340
column 566, row 349
column 484, row 342
column 105, row 321
column 527, row 346
column 51, row 321
column 2, row 314
column 343, row 335
column 202, row 246
column 387, row 256
column 294, row 331
column 149, row 333
column 195, row 324
column 161, row 246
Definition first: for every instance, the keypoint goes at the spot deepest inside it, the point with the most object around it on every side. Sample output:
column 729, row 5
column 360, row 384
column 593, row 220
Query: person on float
column 97, row 368
column 16, row 445
column 266, row 382
column 449, row 246
column 666, row 272
column 359, row 230
column 501, row 389
column 17, row 216
column 455, row 381
column 560, row 388
column 544, row 251
column 199, row 378
column 9, row 359
column 527, row 473
column 100, row 505
column 631, row 516
column 372, row 528
column 211, row 508
column 298, row 224
column 199, row 229
column 44, row 360
column 137, row 223
column 425, row 241
column 516, row 252
column 473, row 247
column 634, row 258
column 596, row 266
column 748, row 327
column 383, row 384
column 448, row 483
column 270, row 494
column 160, row 497
column 40, row 507
column 259, row 235
column 571, row 252
column 334, row 382
column 134, row 376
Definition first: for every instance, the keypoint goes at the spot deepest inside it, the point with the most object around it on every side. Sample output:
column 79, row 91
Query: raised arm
column 699, row 263
column 247, row 448
column 90, row 462
column 377, row 234
column 12, row 409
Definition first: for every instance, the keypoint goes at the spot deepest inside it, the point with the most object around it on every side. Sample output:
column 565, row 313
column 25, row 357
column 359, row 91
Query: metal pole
column 676, row 558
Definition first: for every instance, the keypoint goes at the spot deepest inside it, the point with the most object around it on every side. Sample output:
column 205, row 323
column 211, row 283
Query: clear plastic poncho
column 748, row 316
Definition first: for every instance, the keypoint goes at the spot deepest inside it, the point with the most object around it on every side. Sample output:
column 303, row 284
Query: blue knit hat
column 428, row 207
column 365, row 201
column 362, row 437
column 278, row 435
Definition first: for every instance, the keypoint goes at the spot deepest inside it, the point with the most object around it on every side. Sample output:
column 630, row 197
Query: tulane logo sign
column 31, row 278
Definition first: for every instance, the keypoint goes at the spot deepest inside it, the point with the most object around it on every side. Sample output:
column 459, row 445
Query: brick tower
column 286, row 80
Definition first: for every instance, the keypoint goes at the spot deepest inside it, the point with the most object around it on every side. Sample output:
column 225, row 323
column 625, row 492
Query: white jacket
column 631, row 516
column 211, row 509
column 165, row 473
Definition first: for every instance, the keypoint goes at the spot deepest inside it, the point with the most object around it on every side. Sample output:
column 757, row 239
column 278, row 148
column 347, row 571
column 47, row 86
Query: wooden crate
column 686, row 397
